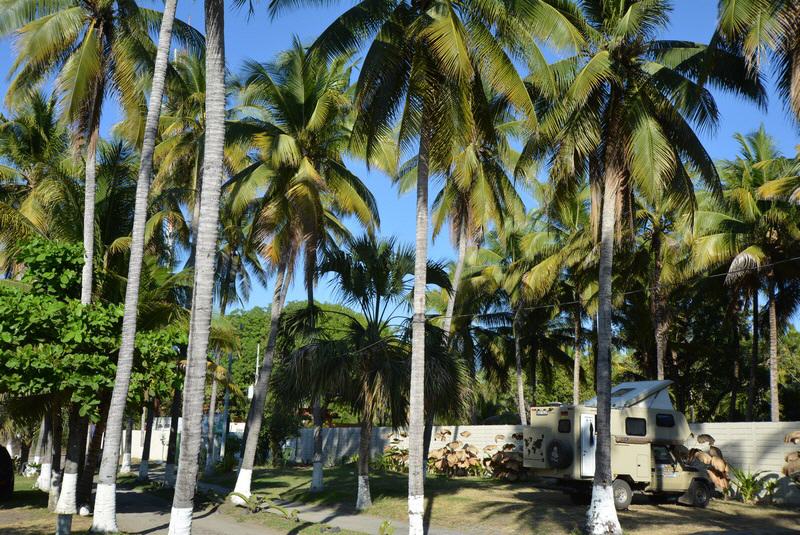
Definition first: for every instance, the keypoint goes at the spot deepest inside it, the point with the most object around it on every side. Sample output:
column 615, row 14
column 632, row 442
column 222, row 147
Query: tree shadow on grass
column 545, row 510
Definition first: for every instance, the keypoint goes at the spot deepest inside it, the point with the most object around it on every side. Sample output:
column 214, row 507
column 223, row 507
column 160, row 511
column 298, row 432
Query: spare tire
column 558, row 454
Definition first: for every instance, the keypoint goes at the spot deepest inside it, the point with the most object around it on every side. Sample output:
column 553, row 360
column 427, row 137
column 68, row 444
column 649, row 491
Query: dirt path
column 139, row 513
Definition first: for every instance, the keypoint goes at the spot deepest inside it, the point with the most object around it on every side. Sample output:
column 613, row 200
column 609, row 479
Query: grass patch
column 478, row 505
column 26, row 512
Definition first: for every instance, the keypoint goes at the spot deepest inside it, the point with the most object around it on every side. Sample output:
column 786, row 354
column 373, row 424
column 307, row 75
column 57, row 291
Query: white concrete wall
column 160, row 437
column 751, row 446
column 342, row 442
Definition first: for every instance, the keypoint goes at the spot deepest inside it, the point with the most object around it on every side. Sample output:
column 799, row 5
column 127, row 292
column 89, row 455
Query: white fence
column 751, row 446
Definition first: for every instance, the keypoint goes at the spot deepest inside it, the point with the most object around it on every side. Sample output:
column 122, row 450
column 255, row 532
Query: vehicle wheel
column 623, row 495
column 699, row 493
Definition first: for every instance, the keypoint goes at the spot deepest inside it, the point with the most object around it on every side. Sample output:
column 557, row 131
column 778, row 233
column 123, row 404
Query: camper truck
column 645, row 428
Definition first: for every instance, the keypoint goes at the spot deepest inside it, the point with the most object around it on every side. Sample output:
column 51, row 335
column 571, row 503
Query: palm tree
column 205, row 255
column 478, row 190
column 105, row 510
column 35, row 166
column 98, row 47
column 298, row 188
column 367, row 365
column 419, row 63
column 767, row 29
column 625, row 119
column 752, row 229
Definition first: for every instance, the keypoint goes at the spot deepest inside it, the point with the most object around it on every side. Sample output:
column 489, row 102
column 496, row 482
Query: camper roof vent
column 650, row 394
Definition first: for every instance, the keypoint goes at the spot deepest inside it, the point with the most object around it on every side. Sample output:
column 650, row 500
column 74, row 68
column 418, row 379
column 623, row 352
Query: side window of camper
column 564, row 426
column 636, row 427
column 665, row 420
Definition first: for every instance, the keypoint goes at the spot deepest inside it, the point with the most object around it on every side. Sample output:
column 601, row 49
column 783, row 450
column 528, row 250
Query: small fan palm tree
column 368, row 367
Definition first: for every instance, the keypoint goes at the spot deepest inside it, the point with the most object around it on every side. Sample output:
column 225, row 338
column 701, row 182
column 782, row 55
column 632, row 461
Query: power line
column 563, row 304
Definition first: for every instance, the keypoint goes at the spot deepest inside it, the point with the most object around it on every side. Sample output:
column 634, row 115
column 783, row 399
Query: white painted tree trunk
column 601, row 518
column 125, row 467
column 205, row 256
column 43, row 481
column 416, row 424
column 67, row 504
column 255, row 414
column 105, row 519
column 243, row 480
column 364, row 497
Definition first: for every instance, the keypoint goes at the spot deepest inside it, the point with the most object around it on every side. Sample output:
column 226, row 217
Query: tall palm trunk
column 226, row 406
column 446, row 328
column 55, row 478
column 736, row 372
column 86, row 479
column 204, row 254
column 576, row 360
column 144, row 463
column 212, row 409
column 89, row 187
column 457, row 274
column 172, row 442
column 255, row 415
column 416, row 421
column 37, row 452
column 105, row 502
column 125, row 467
column 364, row 496
column 194, row 384
column 533, row 372
column 658, row 306
column 67, row 504
column 45, row 472
column 751, row 385
column 317, row 480
column 774, row 401
column 521, row 407
column 602, row 516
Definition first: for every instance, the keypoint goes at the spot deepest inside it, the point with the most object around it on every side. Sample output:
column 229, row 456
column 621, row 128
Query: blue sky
column 256, row 36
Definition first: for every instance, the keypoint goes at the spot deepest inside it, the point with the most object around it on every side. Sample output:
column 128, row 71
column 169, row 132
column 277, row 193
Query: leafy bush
column 394, row 459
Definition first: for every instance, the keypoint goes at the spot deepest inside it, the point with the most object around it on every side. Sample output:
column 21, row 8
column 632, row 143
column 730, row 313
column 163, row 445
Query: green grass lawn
column 26, row 513
column 477, row 505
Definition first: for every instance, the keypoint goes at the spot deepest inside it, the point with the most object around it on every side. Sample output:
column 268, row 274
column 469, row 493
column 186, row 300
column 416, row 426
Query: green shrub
column 747, row 484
